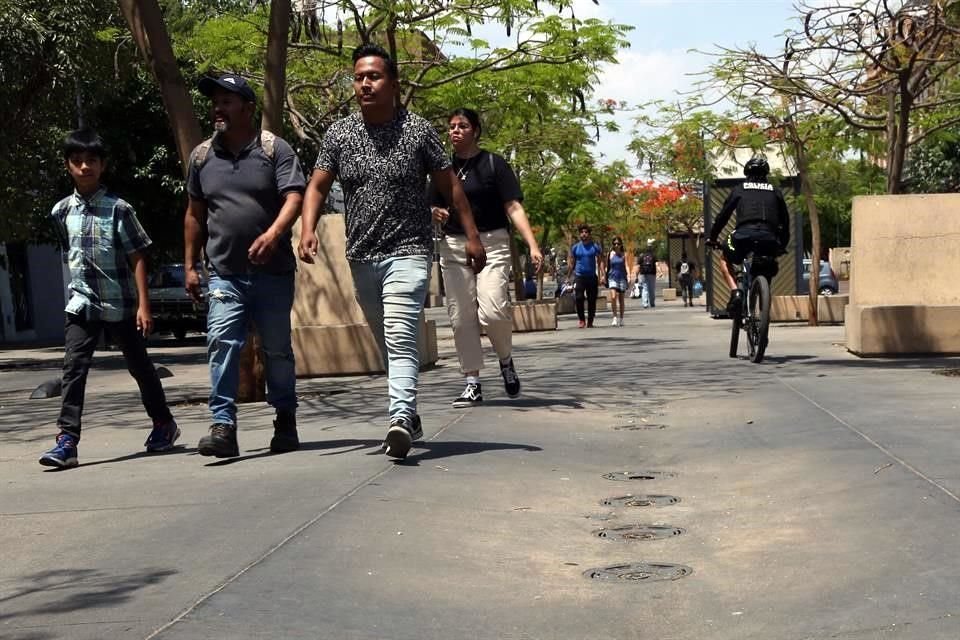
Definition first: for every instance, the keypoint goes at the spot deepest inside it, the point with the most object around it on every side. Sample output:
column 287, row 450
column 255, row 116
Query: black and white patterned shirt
column 383, row 171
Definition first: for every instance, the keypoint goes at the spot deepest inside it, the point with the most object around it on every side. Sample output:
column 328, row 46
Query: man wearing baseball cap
column 245, row 190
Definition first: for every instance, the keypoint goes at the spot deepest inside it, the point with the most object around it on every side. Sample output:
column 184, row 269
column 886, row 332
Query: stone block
column 566, row 304
column 830, row 309
column 350, row 349
column 532, row 315
column 668, row 294
column 878, row 330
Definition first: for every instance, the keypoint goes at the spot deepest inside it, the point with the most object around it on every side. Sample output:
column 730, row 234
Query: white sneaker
column 614, row 323
column 620, row 323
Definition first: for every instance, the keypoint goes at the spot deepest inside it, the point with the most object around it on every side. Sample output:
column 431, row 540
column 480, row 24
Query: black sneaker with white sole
column 511, row 381
column 472, row 396
column 401, row 435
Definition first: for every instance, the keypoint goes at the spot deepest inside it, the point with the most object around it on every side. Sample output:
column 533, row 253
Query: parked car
column 829, row 284
column 173, row 310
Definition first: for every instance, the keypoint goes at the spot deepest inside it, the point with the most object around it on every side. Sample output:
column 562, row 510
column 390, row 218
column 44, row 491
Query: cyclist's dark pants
column 759, row 240
column 586, row 286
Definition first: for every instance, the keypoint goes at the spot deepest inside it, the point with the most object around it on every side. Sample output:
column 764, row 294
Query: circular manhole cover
column 638, row 475
column 630, row 500
column 639, row 572
column 639, row 426
column 639, row 532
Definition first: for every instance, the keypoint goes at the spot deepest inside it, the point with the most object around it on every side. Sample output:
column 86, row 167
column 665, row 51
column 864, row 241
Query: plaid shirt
column 96, row 235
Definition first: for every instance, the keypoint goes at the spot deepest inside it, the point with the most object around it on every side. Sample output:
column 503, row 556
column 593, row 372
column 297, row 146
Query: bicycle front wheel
column 759, row 321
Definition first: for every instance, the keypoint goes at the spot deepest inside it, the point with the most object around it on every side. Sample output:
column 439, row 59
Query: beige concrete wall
column 905, row 255
column 905, row 250
column 330, row 335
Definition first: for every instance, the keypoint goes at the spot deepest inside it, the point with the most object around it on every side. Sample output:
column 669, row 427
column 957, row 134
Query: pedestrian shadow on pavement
column 61, row 591
column 534, row 403
column 434, row 450
column 130, row 456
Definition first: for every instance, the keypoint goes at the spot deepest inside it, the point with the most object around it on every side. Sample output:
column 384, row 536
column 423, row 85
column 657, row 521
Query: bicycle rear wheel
column 759, row 320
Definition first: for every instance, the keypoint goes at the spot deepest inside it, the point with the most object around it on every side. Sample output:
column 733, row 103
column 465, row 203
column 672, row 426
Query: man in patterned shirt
column 382, row 156
column 103, row 245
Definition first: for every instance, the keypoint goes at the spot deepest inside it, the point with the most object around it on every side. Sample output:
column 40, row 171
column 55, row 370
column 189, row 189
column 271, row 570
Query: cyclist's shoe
column 511, row 381
column 472, row 396
column 735, row 305
column 63, row 455
column 221, row 442
column 401, row 436
column 285, row 437
column 164, row 434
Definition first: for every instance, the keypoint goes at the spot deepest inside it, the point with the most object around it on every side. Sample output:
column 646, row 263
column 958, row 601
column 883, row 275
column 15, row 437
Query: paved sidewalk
column 812, row 496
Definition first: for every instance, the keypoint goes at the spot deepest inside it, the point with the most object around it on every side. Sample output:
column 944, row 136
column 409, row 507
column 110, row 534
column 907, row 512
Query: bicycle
column 753, row 316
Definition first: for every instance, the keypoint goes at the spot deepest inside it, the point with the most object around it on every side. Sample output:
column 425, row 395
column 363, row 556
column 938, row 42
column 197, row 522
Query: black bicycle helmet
column 756, row 167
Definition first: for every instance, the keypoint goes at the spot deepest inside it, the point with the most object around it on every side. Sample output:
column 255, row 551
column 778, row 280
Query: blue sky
column 658, row 61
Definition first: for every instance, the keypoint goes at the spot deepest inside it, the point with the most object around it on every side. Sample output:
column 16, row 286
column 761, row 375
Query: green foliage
column 934, row 164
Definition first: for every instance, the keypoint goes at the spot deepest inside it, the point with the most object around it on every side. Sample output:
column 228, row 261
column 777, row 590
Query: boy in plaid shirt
column 103, row 246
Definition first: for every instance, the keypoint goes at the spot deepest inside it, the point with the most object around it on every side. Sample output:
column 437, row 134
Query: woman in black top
column 475, row 300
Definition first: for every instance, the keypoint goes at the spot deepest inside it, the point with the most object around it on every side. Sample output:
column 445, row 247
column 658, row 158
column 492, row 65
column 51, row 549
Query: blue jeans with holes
column 233, row 302
column 391, row 294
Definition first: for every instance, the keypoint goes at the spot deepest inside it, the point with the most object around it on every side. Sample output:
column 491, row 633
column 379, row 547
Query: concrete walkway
column 812, row 496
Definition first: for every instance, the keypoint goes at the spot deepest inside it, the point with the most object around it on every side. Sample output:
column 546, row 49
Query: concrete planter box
column 903, row 268
column 566, row 304
column 669, row 294
column 830, row 309
column 350, row 349
column 532, row 315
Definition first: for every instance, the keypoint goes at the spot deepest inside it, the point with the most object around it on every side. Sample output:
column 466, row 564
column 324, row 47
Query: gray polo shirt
column 244, row 195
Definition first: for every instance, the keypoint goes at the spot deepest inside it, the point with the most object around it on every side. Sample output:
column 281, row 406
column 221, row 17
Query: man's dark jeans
column 586, row 286
column 81, row 335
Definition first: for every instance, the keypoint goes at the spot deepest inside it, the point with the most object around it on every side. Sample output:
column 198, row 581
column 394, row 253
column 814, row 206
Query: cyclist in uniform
column 763, row 223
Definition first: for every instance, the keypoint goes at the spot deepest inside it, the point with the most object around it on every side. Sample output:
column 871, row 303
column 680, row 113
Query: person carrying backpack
column 685, row 272
column 245, row 190
column 648, row 273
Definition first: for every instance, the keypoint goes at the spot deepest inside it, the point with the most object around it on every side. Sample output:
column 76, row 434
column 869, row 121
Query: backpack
column 649, row 263
column 267, row 142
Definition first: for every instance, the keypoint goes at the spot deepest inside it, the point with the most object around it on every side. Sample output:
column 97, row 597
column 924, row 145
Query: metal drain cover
column 639, row 532
column 638, row 475
column 950, row 373
column 650, row 500
column 640, row 426
column 639, row 572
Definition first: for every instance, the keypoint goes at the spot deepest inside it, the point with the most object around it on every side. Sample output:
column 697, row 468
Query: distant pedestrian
column 586, row 271
column 103, row 246
column 476, row 300
column 245, row 189
column 686, row 270
column 617, row 280
column 647, row 266
column 382, row 156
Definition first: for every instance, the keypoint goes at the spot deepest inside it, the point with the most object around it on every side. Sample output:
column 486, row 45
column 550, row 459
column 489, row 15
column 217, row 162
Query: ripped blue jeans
column 233, row 301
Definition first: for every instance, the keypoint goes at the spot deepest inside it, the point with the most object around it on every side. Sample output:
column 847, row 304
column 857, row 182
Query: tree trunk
column 145, row 20
column 517, row 271
column 807, row 189
column 898, row 145
column 543, row 265
column 275, row 67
